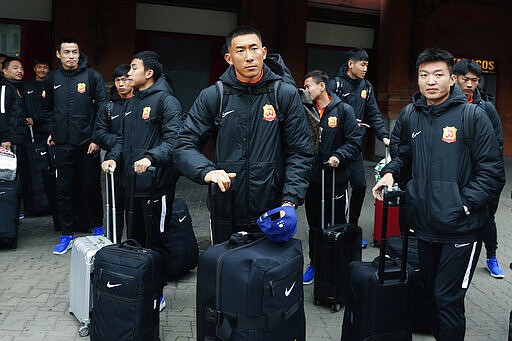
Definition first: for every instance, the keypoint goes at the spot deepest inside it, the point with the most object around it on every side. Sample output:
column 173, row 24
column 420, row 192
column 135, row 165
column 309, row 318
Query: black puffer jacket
column 270, row 151
column 152, row 119
column 340, row 137
column 11, row 104
column 359, row 94
column 70, row 107
column 446, row 173
column 109, row 121
column 33, row 97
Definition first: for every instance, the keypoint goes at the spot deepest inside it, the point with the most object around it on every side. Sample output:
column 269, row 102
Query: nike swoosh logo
column 113, row 285
column 288, row 291
column 461, row 245
column 227, row 113
column 30, row 92
column 42, row 153
column 181, row 219
column 339, row 197
column 414, row 134
column 2, row 193
column 114, row 117
column 345, row 95
column 57, row 86
column 127, row 113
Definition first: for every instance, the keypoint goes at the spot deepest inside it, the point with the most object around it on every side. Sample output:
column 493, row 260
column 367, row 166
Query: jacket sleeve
column 8, row 124
column 297, row 145
column 48, row 102
column 400, row 149
column 161, row 154
column 488, row 172
column 493, row 115
column 372, row 112
column 352, row 136
column 197, row 128
column 103, row 134
column 100, row 97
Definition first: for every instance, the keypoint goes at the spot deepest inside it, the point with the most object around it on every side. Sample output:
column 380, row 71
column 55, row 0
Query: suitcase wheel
column 83, row 331
column 336, row 307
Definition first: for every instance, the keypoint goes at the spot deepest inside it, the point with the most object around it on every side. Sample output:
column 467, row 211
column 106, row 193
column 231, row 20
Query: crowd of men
column 271, row 143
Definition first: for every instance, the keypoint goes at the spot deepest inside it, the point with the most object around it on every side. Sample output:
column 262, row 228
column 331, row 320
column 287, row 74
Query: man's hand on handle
column 221, row 178
column 142, row 165
column 386, row 181
column 108, row 164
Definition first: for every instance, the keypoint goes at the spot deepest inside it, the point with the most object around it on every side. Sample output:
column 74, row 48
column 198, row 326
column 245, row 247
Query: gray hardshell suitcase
column 82, row 260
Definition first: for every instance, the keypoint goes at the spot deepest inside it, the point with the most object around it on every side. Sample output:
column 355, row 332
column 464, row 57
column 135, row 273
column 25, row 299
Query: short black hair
column 120, row 71
column 41, row 60
column 463, row 66
column 240, row 31
column 8, row 60
column 435, row 55
column 3, row 55
column 318, row 76
column 356, row 55
column 151, row 61
column 63, row 40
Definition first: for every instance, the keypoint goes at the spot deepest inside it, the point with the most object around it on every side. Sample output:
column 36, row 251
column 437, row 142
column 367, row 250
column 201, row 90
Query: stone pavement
column 34, row 283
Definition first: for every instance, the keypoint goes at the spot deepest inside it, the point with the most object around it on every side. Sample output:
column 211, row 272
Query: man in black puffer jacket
column 73, row 93
column 151, row 122
column 12, row 108
column 339, row 142
column 451, row 184
column 108, row 129
column 263, row 148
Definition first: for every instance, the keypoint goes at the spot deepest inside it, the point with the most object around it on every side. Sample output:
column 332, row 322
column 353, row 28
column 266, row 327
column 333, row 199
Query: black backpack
column 339, row 86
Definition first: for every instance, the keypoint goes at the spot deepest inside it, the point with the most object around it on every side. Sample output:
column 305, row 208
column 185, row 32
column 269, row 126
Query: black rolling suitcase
column 250, row 288
column 9, row 212
column 379, row 306
column 35, row 200
column 337, row 246
column 127, row 285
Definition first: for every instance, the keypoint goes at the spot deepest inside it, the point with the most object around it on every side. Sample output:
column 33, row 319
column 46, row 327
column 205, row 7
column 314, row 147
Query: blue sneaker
column 98, row 231
column 162, row 303
column 63, row 246
column 494, row 268
column 364, row 243
column 309, row 275
column 21, row 215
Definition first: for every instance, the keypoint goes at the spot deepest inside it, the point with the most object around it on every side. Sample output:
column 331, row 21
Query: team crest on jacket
column 449, row 134
column 269, row 113
column 364, row 94
column 43, row 94
column 80, row 88
column 332, row 121
column 145, row 113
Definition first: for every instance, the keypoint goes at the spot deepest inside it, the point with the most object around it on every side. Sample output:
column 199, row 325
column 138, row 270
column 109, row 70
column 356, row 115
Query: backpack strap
column 220, row 88
column 406, row 129
column 91, row 79
column 339, row 85
column 468, row 123
column 369, row 89
column 280, row 116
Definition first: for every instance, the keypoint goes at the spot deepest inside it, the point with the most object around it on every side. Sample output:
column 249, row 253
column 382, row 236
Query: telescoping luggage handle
column 393, row 198
column 131, row 203
column 111, row 195
column 333, row 197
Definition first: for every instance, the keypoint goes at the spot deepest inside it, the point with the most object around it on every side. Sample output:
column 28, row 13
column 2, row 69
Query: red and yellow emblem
column 43, row 94
column 449, row 134
column 80, row 88
column 332, row 121
column 269, row 113
column 145, row 113
column 364, row 93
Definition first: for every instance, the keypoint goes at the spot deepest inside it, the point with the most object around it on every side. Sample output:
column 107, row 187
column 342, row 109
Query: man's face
column 468, row 83
column 41, row 71
column 434, row 81
column 246, row 54
column 69, row 55
column 357, row 69
column 313, row 89
column 14, row 71
column 122, row 85
column 137, row 76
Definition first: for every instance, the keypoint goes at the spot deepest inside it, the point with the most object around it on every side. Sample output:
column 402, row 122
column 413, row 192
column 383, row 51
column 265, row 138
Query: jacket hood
column 14, row 82
column 335, row 100
column 229, row 78
column 83, row 64
column 160, row 85
column 114, row 95
column 456, row 97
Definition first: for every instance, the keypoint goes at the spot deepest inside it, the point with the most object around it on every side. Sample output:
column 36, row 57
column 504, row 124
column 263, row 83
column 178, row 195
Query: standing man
column 152, row 119
column 468, row 74
column 339, row 141
column 352, row 88
column 108, row 129
column 263, row 148
column 72, row 95
column 450, row 188
column 33, row 94
column 12, row 108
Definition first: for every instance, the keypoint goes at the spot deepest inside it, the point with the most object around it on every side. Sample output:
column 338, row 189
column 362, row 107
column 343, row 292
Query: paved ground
column 34, row 283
